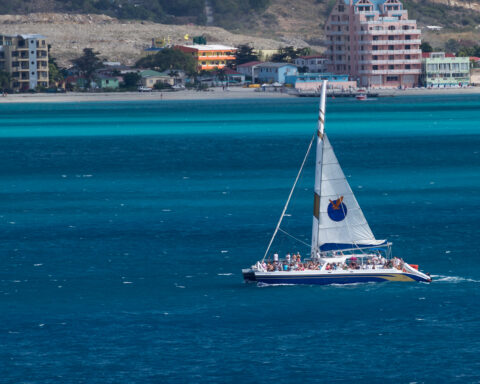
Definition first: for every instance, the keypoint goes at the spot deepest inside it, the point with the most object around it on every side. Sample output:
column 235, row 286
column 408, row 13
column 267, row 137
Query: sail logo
column 337, row 210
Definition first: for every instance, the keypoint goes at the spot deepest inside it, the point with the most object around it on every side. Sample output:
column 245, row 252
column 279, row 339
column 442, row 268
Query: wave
column 264, row 285
column 224, row 274
column 452, row 279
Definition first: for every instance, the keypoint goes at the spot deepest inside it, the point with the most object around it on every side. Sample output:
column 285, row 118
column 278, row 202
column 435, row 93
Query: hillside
column 303, row 17
column 119, row 29
column 116, row 40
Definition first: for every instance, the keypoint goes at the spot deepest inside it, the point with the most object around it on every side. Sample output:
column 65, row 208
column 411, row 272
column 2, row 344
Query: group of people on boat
column 294, row 263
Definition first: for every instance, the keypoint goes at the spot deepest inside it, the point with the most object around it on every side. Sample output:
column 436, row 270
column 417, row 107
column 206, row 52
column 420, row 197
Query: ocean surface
column 124, row 228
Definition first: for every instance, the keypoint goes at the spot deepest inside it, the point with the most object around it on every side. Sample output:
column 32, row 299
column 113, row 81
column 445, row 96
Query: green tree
column 131, row 80
column 288, row 54
column 426, row 47
column 54, row 74
column 4, row 80
column 88, row 63
column 245, row 54
column 452, row 45
column 162, row 86
column 169, row 58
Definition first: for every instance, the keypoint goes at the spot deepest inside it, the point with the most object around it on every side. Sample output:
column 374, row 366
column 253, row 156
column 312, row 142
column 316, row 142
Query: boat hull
column 334, row 278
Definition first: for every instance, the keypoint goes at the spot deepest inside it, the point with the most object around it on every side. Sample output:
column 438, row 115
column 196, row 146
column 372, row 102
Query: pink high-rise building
column 374, row 42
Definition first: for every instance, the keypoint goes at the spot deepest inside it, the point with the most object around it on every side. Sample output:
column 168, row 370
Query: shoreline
column 213, row 94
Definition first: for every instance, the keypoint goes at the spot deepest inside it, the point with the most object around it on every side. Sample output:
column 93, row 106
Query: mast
column 318, row 169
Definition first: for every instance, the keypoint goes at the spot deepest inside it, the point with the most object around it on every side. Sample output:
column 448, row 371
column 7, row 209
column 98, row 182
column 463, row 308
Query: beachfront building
column 276, row 72
column 375, row 42
column 209, row 57
column 150, row 78
column 107, row 82
column 250, row 69
column 313, row 63
column 442, row 70
column 312, row 82
column 25, row 57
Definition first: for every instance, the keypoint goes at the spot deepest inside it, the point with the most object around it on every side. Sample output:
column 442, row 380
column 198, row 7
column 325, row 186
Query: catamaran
column 343, row 249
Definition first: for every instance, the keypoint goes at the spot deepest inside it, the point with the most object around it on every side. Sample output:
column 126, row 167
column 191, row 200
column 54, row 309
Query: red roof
column 230, row 71
column 474, row 58
column 249, row 64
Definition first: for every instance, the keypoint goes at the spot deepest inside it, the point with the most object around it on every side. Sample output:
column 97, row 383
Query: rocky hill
column 118, row 40
column 270, row 24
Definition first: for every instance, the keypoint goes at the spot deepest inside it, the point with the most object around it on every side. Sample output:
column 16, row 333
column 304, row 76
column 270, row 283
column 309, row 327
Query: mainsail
column 338, row 221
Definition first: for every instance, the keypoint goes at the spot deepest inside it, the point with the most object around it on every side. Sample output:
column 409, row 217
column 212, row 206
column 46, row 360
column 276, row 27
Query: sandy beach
column 212, row 94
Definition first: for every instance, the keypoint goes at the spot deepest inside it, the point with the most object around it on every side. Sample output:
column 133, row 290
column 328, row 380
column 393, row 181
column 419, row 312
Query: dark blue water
column 124, row 228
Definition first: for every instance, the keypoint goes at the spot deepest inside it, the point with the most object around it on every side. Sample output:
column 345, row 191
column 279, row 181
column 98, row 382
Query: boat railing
column 357, row 251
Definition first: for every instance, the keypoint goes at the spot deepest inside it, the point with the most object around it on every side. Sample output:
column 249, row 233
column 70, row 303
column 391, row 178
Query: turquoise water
column 124, row 227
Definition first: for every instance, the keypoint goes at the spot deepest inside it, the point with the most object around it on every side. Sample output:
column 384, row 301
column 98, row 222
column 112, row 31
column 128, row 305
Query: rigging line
column 288, row 200
column 293, row 237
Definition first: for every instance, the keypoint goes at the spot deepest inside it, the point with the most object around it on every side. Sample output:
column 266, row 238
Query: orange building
column 209, row 56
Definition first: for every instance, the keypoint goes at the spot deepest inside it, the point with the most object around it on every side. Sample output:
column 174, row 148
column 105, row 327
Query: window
column 375, row 67
column 391, row 47
column 391, row 28
column 392, row 78
column 391, row 67
column 391, row 57
column 375, row 57
column 391, row 37
column 408, row 37
column 407, row 66
column 407, row 46
column 341, row 8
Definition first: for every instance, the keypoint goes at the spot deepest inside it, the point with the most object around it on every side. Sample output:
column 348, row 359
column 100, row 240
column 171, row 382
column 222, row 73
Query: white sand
column 214, row 94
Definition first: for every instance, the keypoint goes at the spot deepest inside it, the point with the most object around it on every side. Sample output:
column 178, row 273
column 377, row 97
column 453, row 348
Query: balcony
column 403, row 22
column 391, row 62
column 224, row 57
column 338, row 22
column 391, row 42
column 336, row 33
column 389, row 32
column 391, row 52
column 391, row 72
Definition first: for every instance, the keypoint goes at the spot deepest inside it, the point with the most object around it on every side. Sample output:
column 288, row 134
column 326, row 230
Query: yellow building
column 209, row 56
column 25, row 57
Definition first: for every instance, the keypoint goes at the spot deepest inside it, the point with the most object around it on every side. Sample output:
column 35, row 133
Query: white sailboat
column 343, row 248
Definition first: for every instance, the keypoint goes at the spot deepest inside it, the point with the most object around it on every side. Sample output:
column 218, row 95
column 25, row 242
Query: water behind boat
column 125, row 227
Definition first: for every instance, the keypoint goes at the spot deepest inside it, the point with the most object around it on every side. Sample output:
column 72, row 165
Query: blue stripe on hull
column 342, row 279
